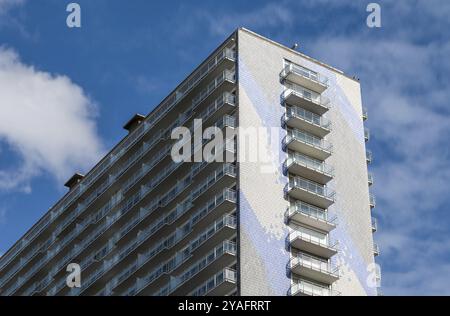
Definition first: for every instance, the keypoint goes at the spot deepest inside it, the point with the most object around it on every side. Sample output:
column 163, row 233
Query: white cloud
column 46, row 120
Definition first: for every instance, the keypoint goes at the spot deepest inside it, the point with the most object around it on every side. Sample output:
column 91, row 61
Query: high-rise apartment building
column 295, row 220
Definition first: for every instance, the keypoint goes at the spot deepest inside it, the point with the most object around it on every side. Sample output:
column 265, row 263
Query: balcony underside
column 225, row 288
column 307, row 149
column 314, row 274
column 310, row 197
column 305, row 82
column 320, row 250
column 310, row 221
column 220, row 263
column 299, row 123
column 297, row 99
column 300, row 169
column 305, row 292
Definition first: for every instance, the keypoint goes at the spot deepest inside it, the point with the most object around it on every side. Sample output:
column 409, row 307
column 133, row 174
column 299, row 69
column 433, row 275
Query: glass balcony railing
column 323, row 241
column 312, row 289
column 368, row 156
column 227, row 75
column 226, row 121
column 223, row 248
column 226, row 98
column 376, row 249
column 306, row 94
column 312, row 118
column 309, row 139
column 107, row 162
column 374, row 224
column 366, row 134
column 370, row 178
column 372, row 201
column 365, row 114
column 314, row 263
column 227, row 275
column 309, row 210
column 310, row 163
column 304, row 72
column 310, row 186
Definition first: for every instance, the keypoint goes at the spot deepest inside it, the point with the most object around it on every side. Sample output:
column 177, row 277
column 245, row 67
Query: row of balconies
column 202, row 188
column 162, row 277
column 372, row 200
column 221, row 203
column 227, row 120
column 227, row 54
column 215, row 232
column 308, row 175
column 75, row 233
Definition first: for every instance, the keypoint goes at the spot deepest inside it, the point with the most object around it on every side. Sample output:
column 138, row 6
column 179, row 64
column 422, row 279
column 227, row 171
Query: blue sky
column 129, row 54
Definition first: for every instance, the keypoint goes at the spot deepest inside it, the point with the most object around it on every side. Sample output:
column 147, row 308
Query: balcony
column 310, row 192
column 224, row 228
column 223, row 283
column 218, row 108
column 310, row 215
column 308, row 121
column 306, row 288
column 366, row 134
column 304, row 77
column 213, row 90
column 370, row 178
column 314, row 268
column 374, row 225
column 221, row 256
column 372, row 201
column 309, row 168
column 309, row 100
column 368, row 157
column 307, row 243
column 307, row 144
column 376, row 249
column 365, row 114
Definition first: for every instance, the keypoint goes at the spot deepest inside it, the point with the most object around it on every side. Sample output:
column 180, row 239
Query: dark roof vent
column 74, row 180
column 134, row 122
